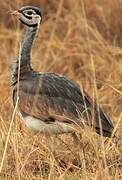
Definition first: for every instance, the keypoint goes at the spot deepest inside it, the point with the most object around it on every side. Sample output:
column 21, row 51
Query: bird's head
column 29, row 15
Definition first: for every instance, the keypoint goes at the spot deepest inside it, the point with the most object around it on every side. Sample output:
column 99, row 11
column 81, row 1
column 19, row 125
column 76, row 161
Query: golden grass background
column 82, row 40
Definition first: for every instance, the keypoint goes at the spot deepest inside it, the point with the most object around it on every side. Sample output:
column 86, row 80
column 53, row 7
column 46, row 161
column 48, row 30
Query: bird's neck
column 27, row 46
column 25, row 54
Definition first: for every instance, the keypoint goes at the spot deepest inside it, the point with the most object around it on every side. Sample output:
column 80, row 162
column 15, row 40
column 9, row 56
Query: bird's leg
column 52, row 149
column 53, row 158
column 78, row 143
column 51, row 146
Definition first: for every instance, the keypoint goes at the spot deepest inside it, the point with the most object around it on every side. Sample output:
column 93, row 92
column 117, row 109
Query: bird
column 51, row 103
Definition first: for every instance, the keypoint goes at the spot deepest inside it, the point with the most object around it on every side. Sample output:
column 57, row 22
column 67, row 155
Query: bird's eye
column 29, row 12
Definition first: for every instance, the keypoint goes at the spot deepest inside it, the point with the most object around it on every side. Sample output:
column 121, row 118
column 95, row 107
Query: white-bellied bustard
column 51, row 103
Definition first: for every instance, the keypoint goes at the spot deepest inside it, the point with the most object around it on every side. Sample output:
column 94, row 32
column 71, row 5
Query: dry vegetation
column 80, row 39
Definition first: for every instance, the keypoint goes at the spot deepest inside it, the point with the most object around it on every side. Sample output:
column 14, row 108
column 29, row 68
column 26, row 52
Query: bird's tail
column 101, row 121
column 104, row 124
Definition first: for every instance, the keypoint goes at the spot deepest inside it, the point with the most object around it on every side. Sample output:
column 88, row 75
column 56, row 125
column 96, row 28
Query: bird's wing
column 51, row 95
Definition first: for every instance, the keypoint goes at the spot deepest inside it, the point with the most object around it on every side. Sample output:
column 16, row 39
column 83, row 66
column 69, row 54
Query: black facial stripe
column 28, row 17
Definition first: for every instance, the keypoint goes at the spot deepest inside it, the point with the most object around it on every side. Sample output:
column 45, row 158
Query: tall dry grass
column 80, row 39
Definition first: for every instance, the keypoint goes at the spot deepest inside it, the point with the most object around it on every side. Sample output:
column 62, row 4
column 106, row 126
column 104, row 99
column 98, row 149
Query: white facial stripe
column 35, row 19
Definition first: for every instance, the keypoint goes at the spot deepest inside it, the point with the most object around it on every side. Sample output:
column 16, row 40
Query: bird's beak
column 16, row 13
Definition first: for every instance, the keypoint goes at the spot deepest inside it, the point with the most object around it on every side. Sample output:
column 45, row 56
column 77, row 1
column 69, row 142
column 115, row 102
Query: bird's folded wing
column 48, row 108
column 51, row 95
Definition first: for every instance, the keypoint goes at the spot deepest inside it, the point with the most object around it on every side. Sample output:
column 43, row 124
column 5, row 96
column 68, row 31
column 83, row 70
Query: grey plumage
column 53, row 100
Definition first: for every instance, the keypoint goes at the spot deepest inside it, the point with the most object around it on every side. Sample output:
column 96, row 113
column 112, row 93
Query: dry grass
column 80, row 39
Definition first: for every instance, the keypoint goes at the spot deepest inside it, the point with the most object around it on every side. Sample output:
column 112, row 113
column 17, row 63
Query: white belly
column 56, row 127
